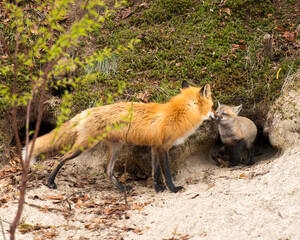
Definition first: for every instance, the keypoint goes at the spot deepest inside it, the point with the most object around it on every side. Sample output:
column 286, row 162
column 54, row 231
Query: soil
column 256, row 202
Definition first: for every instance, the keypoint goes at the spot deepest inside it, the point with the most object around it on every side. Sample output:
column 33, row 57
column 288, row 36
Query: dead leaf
column 34, row 30
column 145, row 5
column 55, row 197
column 211, row 186
column 91, row 226
column 290, row 36
column 137, row 230
column 125, row 177
column 242, row 176
column 145, row 96
column 226, row 10
column 279, row 29
column 229, row 57
column 197, row 195
column 137, row 206
column 127, row 13
column 239, row 46
column 185, row 237
column 141, row 36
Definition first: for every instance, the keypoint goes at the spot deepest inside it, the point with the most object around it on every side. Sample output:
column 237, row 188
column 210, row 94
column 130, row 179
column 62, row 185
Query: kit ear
column 237, row 109
column 185, row 84
column 205, row 91
column 219, row 104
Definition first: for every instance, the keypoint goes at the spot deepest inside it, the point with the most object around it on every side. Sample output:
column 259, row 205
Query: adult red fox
column 236, row 132
column 157, row 125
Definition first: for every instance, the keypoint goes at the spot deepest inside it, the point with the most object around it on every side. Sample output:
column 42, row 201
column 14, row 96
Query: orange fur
column 158, row 125
column 151, row 124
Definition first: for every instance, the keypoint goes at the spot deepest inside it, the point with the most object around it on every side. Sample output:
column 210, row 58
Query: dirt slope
column 258, row 202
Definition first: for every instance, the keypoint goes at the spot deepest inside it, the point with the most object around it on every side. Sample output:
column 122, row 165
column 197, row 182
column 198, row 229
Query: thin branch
column 67, row 199
column 50, row 209
column 41, row 106
column 126, row 156
column 2, row 228
column 83, row 10
column 13, row 225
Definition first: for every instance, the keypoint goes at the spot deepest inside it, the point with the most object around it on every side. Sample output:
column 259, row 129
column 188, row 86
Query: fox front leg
column 237, row 153
column 156, row 171
column 250, row 152
column 163, row 161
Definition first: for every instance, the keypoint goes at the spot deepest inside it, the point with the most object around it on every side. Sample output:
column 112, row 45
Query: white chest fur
column 182, row 139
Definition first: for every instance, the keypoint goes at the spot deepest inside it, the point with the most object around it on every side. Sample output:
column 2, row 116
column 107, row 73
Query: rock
column 283, row 120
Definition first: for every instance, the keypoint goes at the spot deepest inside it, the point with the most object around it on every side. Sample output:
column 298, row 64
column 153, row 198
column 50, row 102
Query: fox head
column 200, row 98
column 225, row 114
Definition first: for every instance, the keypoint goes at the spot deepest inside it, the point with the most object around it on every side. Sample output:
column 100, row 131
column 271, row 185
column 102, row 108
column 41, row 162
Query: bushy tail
column 54, row 141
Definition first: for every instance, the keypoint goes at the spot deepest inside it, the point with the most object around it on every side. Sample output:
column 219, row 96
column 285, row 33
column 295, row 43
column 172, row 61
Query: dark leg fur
column 51, row 184
column 163, row 161
column 156, row 171
column 250, row 153
column 114, row 151
column 235, row 153
column 158, row 187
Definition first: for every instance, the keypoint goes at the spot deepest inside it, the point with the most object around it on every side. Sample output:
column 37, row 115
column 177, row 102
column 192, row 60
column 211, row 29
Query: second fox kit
column 157, row 125
column 236, row 133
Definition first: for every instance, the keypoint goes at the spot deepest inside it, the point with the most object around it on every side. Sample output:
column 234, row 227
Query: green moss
column 197, row 41
column 250, row 8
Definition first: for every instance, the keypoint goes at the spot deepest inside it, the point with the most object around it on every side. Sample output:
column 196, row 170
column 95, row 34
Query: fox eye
column 224, row 114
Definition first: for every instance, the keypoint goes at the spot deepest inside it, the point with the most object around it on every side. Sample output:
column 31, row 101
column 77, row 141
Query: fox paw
column 159, row 188
column 51, row 185
column 176, row 189
column 128, row 188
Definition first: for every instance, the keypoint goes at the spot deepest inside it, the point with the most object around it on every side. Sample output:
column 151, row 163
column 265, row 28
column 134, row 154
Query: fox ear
column 205, row 91
column 185, row 84
column 237, row 109
column 219, row 104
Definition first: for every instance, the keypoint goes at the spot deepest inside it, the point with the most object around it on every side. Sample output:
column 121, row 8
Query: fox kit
column 236, row 132
column 152, row 124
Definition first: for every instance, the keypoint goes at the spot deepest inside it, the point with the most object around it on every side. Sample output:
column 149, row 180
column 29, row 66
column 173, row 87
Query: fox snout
column 213, row 114
column 216, row 116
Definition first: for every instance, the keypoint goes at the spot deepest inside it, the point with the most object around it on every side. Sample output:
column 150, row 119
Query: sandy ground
column 257, row 202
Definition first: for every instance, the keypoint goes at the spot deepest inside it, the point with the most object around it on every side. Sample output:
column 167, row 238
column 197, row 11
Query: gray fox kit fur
column 236, row 133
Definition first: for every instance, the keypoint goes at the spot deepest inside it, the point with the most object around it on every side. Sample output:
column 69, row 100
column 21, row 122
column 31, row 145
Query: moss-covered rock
column 283, row 120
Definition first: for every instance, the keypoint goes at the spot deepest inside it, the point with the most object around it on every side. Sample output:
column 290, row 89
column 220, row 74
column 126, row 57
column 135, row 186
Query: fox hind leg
column 51, row 180
column 114, row 149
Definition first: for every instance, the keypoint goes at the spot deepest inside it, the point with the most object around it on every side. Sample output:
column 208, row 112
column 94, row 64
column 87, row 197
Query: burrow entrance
column 44, row 128
column 263, row 150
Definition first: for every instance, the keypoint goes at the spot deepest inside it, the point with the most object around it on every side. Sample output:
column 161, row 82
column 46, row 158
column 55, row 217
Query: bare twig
column 126, row 156
column 2, row 228
column 67, row 199
column 50, row 209
column 40, row 86
column 13, row 225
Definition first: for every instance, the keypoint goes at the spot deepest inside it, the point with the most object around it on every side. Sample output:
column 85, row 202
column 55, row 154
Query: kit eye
column 224, row 114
